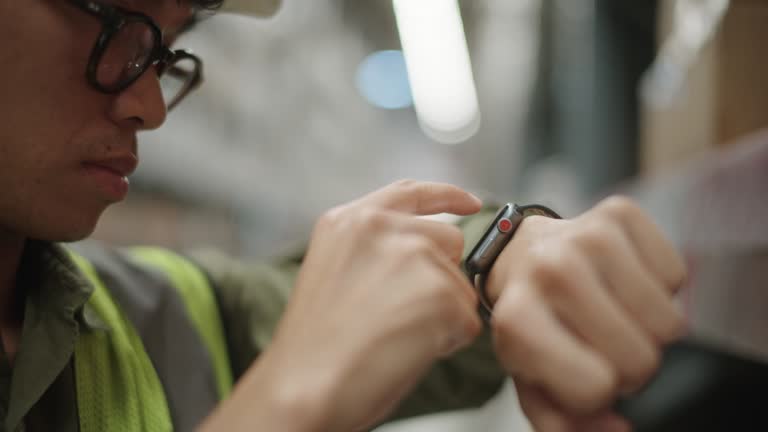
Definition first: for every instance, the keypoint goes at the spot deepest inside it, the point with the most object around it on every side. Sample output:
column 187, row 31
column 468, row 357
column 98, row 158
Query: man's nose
column 141, row 103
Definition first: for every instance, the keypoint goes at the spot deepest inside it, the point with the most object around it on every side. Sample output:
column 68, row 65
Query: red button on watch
column 504, row 225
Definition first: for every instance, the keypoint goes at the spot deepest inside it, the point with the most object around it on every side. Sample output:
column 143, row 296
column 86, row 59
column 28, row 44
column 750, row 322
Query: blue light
column 382, row 79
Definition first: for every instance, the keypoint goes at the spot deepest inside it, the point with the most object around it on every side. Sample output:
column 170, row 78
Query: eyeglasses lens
column 127, row 55
column 176, row 79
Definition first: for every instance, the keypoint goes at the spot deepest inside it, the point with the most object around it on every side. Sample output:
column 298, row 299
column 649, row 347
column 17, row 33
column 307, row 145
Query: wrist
column 268, row 398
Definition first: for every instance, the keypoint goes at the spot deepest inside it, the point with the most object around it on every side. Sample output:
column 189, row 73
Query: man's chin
column 67, row 236
column 74, row 237
column 72, row 230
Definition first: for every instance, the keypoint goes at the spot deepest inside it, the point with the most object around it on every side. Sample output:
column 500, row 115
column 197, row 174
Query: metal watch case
column 501, row 230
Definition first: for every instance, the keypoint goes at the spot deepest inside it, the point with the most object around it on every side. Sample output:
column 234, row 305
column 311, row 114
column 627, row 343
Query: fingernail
column 475, row 197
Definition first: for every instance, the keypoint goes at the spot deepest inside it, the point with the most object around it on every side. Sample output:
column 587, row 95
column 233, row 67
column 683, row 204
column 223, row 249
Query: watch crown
column 504, row 225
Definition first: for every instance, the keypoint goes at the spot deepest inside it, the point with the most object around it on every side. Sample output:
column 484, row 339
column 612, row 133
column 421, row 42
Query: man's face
column 64, row 146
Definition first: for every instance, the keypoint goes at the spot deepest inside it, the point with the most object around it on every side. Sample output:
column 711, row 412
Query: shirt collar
column 60, row 289
column 55, row 312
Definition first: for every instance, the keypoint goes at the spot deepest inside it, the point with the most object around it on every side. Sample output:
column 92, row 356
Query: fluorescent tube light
column 439, row 68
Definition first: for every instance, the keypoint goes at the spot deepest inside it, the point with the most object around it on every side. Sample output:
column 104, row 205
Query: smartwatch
column 501, row 230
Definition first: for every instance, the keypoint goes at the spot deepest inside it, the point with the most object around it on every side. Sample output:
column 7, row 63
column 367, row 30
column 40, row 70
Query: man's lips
column 110, row 175
column 123, row 166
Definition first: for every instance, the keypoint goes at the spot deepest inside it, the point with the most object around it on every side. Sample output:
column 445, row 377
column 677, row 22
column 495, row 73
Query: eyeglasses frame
column 113, row 19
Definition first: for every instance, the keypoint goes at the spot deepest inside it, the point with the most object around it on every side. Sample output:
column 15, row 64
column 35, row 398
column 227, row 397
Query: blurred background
column 567, row 101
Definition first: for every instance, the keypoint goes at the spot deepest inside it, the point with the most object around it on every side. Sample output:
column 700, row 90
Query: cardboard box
column 726, row 91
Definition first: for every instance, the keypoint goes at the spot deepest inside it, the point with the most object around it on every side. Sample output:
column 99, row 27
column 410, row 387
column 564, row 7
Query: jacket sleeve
column 252, row 297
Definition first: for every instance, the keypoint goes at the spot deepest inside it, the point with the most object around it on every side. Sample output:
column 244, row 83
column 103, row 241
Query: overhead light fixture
column 439, row 68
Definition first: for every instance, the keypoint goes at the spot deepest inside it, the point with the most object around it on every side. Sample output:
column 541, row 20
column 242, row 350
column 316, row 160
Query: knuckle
column 416, row 192
column 409, row 186
column 548, row 272
column 509, row 320
column 456, row 233
column 544, row 267
column 650, row 365
column 331, row 217
column 621, row 208
column 598, row 392
column 405, row 183
column 604, row 388
column 679, row 272
column 595, row 240
column 674, row 328
column 642, row 367
column 369, row 218
column 446, row 305
column 418, row 246
column 456, row 238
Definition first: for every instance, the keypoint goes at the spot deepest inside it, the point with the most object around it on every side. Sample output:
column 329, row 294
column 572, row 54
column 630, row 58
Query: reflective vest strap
column 117, row 386
column 200, row 302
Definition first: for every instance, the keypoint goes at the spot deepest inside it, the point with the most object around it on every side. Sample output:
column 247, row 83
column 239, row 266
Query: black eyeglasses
column 129, row 44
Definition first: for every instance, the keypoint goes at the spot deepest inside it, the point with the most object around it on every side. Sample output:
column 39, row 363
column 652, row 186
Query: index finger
column 424, row 198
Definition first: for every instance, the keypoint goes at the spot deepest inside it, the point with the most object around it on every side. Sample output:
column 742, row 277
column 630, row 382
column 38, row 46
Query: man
column 380, row 323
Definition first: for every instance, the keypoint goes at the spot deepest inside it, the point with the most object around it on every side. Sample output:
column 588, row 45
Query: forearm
column 266, row 400
column 466, row 380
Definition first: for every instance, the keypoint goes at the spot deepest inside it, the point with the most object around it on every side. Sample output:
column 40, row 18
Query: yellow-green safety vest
column 160, row 362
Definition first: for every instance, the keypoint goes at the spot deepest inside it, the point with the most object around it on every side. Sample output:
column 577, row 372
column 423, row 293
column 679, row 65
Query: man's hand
column 582, row 309
column 379, row 299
